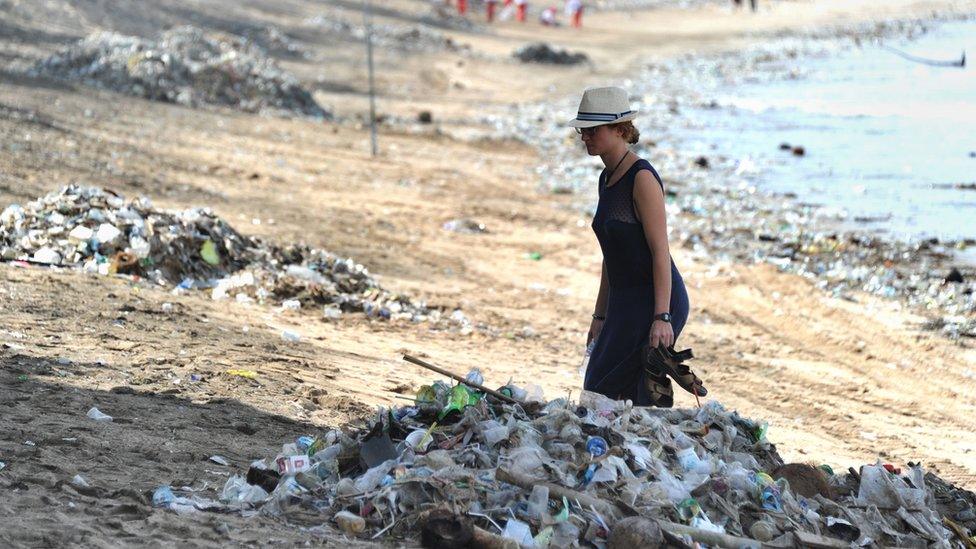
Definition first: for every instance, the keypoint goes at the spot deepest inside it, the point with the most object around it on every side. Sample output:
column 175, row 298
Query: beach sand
column 840, row 382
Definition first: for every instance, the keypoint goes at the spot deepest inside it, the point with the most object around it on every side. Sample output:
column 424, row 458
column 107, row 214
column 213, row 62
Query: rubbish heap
column 460, row 465
column 100, row 231
column 541, row 52
column 421, row 37
column 184, row 65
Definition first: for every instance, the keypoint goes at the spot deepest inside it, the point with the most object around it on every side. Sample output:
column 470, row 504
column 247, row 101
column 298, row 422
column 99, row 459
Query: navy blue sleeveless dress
column 615, row 368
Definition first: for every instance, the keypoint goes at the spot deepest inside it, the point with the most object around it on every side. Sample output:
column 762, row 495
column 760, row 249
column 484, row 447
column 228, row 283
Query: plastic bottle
column 596, row 446
column 762, row 530
column 539, row 502
column 586, row 359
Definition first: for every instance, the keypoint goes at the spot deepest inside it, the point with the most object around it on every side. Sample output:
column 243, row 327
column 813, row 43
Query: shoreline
column 764, row 226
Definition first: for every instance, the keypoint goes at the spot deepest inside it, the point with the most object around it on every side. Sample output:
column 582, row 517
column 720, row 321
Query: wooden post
column 368, row 24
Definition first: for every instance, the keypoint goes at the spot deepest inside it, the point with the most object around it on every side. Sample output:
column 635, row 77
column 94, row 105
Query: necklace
column 606, row 182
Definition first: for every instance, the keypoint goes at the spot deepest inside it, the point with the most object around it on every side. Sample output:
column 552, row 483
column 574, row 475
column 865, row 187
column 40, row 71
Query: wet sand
column 840, row 382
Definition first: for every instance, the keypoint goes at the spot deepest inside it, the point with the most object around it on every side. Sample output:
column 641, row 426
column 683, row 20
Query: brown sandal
column 659, row 388
column 670, row 362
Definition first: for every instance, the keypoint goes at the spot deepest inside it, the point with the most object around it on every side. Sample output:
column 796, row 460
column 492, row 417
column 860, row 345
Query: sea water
column 887, row 141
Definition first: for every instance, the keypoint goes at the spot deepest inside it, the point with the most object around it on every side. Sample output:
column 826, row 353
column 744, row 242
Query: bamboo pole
column 460, row 379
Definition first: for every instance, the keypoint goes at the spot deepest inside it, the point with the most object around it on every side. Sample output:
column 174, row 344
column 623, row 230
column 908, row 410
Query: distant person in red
column 463, row 7
column 574, row 10
column 490, row 9
column 520, row 7
column 548, row 17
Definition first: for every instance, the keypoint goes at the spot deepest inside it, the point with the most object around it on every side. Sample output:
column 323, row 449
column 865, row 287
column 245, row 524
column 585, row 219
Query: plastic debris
column 465, row 226
column 510, row 467
column 163, row 496
column 209, row 252
column 99, row 231
column 520, row 532
column 289, row 465
column 248, row 374
column 97, row 415
column 184, row 65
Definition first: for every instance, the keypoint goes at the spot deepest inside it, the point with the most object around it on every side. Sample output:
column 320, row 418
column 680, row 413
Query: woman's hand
column 661, row 334
column 595, row 327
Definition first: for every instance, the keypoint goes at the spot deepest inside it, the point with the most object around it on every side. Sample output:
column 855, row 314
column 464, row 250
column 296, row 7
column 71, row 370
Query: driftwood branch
column 459, row 379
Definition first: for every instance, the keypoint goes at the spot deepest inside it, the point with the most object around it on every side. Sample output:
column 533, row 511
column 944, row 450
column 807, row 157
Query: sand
column 840, row 382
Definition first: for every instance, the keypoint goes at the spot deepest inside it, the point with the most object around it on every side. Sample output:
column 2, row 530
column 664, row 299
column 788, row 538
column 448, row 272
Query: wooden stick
column 456, row 377
column 708, row 537
column 483, row 539
column 959, row 532
column 808, row 539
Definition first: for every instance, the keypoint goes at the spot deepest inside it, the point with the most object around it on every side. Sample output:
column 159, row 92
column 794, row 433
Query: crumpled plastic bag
column 879, row 488
column 528, row 460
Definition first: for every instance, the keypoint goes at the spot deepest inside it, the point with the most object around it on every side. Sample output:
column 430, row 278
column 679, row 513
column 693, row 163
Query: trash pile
column 413, row 38
column 100, row 231
column 540, row 52
column 508, row 467
column 446, row 16
column 185, row 66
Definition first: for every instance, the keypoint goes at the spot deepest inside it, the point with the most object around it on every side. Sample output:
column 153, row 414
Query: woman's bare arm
column 649, row 202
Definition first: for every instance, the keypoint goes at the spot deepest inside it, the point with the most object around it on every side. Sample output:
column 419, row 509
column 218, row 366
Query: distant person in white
column 548, row 17
column 574, row 10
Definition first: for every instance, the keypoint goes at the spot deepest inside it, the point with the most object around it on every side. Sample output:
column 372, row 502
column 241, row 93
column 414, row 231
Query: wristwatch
column 663, row 317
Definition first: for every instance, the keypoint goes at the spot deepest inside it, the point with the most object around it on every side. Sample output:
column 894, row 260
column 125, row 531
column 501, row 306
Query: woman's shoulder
column 644, row 164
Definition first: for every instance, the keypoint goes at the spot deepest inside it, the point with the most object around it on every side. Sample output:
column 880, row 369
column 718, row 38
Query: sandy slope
column 840, row 382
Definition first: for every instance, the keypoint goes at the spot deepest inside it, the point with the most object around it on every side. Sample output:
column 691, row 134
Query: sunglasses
column 587, row 131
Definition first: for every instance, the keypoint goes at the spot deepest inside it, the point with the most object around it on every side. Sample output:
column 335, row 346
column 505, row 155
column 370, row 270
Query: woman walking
column 642, row 304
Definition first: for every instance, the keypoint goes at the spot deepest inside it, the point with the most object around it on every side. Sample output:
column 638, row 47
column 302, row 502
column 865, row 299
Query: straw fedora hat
column 601, row 106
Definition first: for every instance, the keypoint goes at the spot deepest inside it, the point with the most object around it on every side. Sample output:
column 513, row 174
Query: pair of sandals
column 661, row 364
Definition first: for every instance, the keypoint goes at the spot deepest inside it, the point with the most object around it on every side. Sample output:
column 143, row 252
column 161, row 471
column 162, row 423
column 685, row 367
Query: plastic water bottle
column 596, row 446
column 586, row 359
